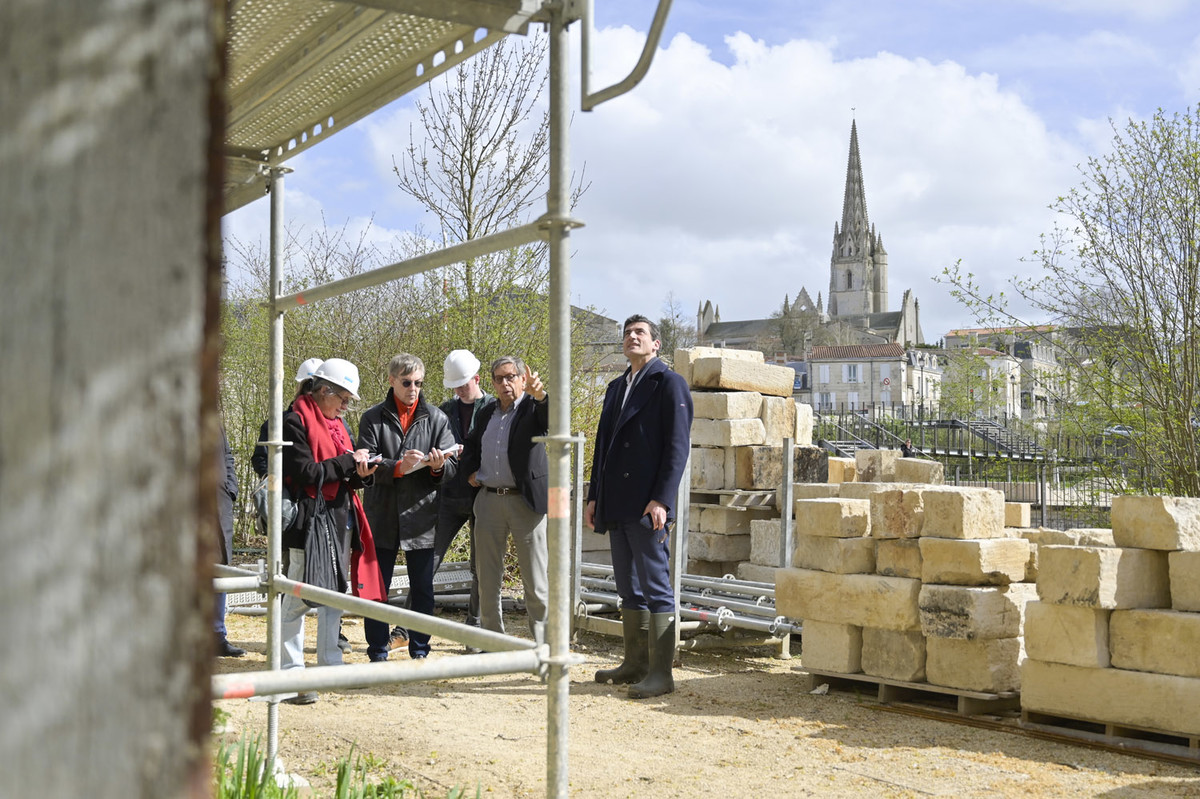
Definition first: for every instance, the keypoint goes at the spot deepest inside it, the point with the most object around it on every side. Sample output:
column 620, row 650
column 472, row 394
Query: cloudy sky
column 721, row 176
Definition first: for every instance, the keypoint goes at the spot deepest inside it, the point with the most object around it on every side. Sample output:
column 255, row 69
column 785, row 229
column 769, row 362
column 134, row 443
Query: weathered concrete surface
column 1070, row 634
column 865, row 600
column 989, row 561
column 1103, row 577
column 1170, row 523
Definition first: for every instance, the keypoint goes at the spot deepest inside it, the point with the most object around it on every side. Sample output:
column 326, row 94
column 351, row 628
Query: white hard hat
column 460, row 366
column 341, row 373
column 306, row 369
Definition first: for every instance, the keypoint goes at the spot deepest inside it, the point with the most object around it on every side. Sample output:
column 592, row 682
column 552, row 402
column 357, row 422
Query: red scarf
column 327, row 438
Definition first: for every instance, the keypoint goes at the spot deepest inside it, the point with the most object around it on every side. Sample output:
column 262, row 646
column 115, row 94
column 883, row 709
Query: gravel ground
column 740, row 723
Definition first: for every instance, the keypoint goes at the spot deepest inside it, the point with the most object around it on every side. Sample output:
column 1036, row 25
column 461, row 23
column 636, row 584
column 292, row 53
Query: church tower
column 858, row 282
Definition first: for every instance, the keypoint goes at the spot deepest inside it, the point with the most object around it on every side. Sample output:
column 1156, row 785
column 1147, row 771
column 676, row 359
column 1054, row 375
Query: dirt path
column 739, row 724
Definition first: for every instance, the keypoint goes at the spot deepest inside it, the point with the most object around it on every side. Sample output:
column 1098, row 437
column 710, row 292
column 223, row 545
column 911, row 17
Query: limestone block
column 1170, row 523
column 876, row 465
column 730, row 465
column 592, row 541
column 842, row 470
column 956, row 512
column 1046, row 535
column 1093, row 536
column 865, row 600
column 727, row 432
column 804, row 425
column 1113, row 696
column 1162, row 641
column 778, row 415
column 602, row 557
column 972, row 613
column 764, row 542
column 987, row 664
column 868, row 490
column 729, row 521
column 811, row 465
column 897, row 513
column 735, row 374
column 988, row 561
column 1103, row 577
column 711, row 546
column 837, row 555
column 893, row 654
column 898, row 557
column 711, row 568
column 708, row 469
column 828, row 646
column 756, row 573
column 684, row 358
column 919, row 470
column 726, row 404
column 1017, row 514
column 837, row 518
column 1185, row 580
column 1070, row 634
column 758, row 468
column 803, row 490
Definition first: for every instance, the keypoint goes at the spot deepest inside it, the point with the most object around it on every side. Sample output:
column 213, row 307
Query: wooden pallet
column 1146, row 739
column 896, row 692
column 734, row 499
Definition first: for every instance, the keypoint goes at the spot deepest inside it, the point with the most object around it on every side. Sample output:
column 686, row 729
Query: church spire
column 855, row 225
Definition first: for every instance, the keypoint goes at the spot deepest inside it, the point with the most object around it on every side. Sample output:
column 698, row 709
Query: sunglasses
column 410, row 383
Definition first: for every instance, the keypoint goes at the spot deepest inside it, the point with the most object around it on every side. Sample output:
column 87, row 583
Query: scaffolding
column 300, row 71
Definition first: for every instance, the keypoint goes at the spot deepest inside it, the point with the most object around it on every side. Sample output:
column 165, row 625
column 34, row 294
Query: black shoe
column 228, row 650
column 398, row 639
column 419, row 656
column 378, row 658
column 303, row 698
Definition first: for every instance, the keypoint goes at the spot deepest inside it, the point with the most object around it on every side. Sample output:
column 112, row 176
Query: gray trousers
column 496, row 517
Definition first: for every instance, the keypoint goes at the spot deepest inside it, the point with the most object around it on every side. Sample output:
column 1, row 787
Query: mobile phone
column 374, row 459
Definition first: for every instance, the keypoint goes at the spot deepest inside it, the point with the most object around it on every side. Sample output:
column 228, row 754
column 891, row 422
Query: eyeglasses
column 506, row 378
column 345, row 398
column 410, row 383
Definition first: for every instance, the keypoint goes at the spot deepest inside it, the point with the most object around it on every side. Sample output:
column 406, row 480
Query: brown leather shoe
column 398, row 639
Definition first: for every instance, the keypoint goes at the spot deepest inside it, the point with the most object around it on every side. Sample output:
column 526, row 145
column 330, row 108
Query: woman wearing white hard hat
column 258, row 459
column 321, row 457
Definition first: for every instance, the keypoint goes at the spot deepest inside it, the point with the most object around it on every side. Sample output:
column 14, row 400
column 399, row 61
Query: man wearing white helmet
column 460, row 372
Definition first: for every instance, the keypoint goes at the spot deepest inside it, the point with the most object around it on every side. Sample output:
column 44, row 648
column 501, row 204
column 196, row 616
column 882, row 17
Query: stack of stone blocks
column 1114, row 637
column 743, row 411
column 914, row 582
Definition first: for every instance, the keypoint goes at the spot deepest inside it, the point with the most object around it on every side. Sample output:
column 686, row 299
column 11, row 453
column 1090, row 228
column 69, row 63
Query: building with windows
column 872, row 376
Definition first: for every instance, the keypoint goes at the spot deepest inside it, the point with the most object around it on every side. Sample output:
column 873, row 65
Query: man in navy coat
column 641, row 449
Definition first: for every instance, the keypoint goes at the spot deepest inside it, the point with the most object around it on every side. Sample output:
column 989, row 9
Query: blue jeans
column 642, row 567
column 420, row 594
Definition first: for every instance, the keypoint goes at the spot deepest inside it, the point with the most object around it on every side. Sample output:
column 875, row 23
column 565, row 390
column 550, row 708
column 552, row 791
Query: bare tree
column 676, row 329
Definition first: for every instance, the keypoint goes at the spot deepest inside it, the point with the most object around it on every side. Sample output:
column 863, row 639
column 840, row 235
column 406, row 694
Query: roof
column 301, row 70
column 857, row 352
column 993, row 331
column 746, row 328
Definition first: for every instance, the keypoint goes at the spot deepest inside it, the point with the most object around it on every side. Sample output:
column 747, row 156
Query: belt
column 501, row 491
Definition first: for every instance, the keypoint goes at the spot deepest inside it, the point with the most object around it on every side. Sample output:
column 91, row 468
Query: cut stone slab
column 972, row 613
column 758, row 468
column 1017, row 514
column 1070, row 634
column 1046, row 535
column 898, row 557
column 755, row 573
column 1170, row 523
column 1103, row 577
column 842, row 470
column 812, row 465
column 1112, row 696
column 802, row 490
column 988, row 561
column 919, row 470
column 778, row 415
column 711, row 546
column 804, row 425
column 710, row 568
column 684, row 358
column 868, row 490
column 836, row 555
column 729, row 521
column 876, row 465
column 990, row 664
column 728, row 432
column 1185, row 580
column 1161, row 641
column 708, row 469
column 726, row 404
column 893, row 654
column 836, row 518
column 827, row 646
column 962, row 512
column 865, row 600
column 897, row 513
column 736, row 374
column 765, row 535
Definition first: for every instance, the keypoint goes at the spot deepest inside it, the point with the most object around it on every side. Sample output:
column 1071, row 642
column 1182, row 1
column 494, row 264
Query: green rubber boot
column 662, row 656
column 635, row 624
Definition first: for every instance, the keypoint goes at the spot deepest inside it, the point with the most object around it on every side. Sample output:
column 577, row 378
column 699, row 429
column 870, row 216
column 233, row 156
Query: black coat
column 301, row 471
column 526, row 458
column 458, row 488
column 641, row 449
column 403, row 511
column 227, row 491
